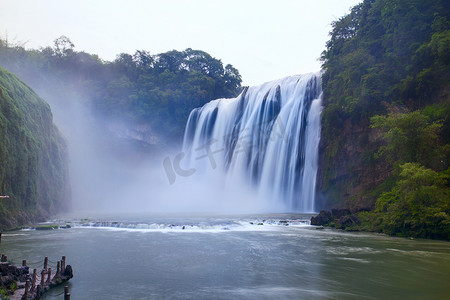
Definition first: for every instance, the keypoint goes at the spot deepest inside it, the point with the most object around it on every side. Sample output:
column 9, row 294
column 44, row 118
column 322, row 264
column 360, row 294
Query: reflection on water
column 235, row 258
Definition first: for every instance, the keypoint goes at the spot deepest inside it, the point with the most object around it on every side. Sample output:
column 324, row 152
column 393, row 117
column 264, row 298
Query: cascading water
column 266, row 138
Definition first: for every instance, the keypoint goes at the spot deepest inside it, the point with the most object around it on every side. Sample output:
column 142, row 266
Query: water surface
column 234, row 258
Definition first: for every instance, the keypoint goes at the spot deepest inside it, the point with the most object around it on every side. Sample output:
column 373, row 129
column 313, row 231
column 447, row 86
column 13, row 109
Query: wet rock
column 347, row 221
column 323, row 218
column 6, row 280
column 4, row 268
column 68, row 273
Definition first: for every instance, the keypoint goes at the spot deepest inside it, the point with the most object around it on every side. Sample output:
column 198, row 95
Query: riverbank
column 365, row 220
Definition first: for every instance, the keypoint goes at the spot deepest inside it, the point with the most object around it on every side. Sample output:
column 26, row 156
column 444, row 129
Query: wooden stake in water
column 58, row 269
column 66, row 292
column 49, row 278
column 42, row 279
column 45, row 263
column 38, row 292
column 63, row 265
column 27, row 286
column 24, row 263
column 33, row 284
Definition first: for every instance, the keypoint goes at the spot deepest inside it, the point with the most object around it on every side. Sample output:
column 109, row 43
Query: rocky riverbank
column 340, row 218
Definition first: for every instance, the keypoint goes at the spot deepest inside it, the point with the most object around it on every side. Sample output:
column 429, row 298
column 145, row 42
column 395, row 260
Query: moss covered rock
column 33, row 156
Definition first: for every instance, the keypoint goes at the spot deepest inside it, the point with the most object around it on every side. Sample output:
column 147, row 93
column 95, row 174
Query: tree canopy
column 160, row 89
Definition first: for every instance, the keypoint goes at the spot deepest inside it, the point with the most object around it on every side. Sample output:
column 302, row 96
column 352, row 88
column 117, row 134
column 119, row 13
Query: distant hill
column 33, row 156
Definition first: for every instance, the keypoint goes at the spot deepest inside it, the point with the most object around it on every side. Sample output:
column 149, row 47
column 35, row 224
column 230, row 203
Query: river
column 233, row 257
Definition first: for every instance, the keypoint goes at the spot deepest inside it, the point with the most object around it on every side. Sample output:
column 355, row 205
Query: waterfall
column 266, row 138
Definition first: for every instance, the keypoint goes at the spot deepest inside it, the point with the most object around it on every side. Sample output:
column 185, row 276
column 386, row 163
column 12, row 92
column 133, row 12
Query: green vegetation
column 417, row 205
column 413, row 137
column 7, row 291
column 159, row 90
column 385, row 134
column 33, row 156
column 46, row 227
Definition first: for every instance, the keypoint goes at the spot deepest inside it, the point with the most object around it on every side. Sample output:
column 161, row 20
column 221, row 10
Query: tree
column 416, row 206
column 410, row 137
column 63, row 46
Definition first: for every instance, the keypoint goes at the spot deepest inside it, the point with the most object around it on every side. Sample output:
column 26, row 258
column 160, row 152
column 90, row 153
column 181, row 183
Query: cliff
column 33, row 156
column 386, row 119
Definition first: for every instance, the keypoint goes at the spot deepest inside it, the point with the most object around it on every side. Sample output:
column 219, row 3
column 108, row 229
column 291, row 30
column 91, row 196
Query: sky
column 264, row 40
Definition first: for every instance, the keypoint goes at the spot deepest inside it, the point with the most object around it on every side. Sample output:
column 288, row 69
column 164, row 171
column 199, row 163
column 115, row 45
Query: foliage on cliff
column 159, row 90
column 418, row 205
column 33, row 157
column 386, row 115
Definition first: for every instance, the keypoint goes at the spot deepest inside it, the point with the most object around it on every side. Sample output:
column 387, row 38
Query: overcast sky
column 264, row 40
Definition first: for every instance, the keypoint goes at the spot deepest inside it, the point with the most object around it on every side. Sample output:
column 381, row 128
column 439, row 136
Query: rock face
column 323, row 218
column 33, row 156
column 339, row 218
column 339, row 212
column 346, row 170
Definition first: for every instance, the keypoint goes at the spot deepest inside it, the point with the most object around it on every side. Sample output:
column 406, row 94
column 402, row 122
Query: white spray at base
column 266, row 139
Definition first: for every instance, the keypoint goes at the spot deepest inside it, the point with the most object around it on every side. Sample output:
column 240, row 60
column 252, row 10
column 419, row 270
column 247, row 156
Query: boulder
column 323, row 218
column 347, row 221
column 68, row 272
column 4, row 268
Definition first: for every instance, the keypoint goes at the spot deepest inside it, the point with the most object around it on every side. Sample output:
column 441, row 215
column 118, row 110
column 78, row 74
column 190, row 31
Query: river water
column 238, row 257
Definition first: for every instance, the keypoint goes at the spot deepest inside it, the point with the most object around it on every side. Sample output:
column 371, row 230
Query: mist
column 109, row 174
column 123, row 122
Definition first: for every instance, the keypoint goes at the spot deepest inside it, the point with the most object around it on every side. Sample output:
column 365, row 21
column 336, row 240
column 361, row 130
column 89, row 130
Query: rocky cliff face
column 347, row 168
column 33, row 156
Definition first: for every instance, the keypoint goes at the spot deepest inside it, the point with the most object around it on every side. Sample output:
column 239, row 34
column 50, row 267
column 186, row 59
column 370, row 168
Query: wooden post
column 33, row 284
column 45, row 263
column 3, row 255
column 24, row 263
column 66, row 292
column 49, row 278
column 63, row 265
column 67, row 296
column 27, row 286
column 42, row 279
column 58, row 269
column 4, row 258
column 38, row 292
